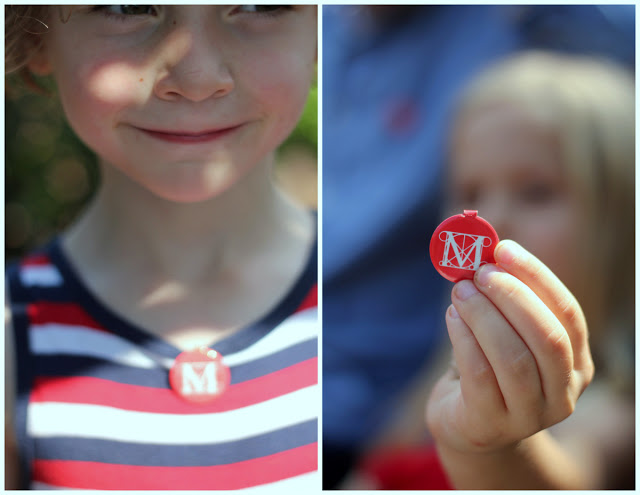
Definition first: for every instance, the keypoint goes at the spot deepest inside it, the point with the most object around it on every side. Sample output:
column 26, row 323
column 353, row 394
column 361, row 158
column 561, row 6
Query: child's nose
column 193, row 67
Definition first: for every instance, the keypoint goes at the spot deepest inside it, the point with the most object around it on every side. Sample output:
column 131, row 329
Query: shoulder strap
column 18, row 298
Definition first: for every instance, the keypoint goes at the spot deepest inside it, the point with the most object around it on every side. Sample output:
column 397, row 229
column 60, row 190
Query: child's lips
column 189, row 137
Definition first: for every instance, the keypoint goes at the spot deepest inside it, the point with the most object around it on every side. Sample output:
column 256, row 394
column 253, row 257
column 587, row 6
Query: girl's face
column 184, row 100
column 509, row 168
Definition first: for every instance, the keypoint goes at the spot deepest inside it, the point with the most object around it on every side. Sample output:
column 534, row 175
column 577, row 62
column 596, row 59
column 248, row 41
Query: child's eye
column 267, row 10
column 537, row 193
column 126, row 10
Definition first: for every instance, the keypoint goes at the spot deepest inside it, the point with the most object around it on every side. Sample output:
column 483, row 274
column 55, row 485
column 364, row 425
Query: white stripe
column 41, row 275
column 79, row 340
column 39, row 485
column 295, row 329
column 56, row 338
column 48, row 419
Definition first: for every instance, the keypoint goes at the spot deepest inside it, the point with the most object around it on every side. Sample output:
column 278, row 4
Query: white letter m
column 463, row 251
column 199, row 378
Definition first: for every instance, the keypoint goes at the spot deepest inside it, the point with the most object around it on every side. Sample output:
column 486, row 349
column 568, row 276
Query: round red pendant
column 199, row 376
column 461, row 244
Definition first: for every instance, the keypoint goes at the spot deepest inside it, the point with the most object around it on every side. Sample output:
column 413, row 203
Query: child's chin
column 192, row 189
column 195, row 182
column 189, row 196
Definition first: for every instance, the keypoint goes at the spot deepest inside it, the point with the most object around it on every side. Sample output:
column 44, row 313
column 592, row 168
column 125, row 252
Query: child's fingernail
column 483, row 275
column 507, row 252
column 465, row 289
column 453, row 313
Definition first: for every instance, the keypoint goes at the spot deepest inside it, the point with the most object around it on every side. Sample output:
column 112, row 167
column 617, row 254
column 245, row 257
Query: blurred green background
column 50, row 175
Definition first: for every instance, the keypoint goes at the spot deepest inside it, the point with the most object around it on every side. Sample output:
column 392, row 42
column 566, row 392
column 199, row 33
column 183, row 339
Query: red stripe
column 36, row 260
column 99, row 476
column 310, row 300
column 63, row 313
column 88, row 390
column 406, row 468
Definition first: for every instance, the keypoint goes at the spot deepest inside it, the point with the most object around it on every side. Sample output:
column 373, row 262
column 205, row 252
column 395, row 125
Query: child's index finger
column 520, row 263
column 515, row 259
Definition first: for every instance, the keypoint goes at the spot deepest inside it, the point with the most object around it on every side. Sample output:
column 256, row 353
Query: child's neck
column 156, row 261
column 125, row 220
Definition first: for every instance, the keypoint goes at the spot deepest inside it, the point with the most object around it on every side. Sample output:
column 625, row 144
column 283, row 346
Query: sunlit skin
column 183, row 100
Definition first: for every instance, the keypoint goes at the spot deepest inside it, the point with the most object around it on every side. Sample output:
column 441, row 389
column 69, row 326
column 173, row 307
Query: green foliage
column 306, row 133
column 49, row 173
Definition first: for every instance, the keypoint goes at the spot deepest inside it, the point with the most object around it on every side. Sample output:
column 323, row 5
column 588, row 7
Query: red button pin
column 461, row 244
column 199, row 376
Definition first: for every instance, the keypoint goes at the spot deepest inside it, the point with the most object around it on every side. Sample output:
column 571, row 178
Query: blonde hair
column 589, row 105
column 24, row 26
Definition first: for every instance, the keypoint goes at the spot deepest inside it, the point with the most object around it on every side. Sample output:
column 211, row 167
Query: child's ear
column 39, row 62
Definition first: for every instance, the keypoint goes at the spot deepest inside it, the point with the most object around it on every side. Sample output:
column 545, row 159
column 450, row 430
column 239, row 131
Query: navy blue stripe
column 274, row 362
column 60, row 365
column 69, row 365
column 114, row 452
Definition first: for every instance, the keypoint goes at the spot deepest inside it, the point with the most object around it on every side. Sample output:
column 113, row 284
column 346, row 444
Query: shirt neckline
column 149, row 342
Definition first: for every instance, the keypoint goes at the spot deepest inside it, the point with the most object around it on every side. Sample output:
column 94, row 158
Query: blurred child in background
column 391, row 76
column 543, row 147
column 167, row 339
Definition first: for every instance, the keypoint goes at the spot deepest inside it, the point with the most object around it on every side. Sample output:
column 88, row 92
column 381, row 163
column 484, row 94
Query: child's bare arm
column 520, row 345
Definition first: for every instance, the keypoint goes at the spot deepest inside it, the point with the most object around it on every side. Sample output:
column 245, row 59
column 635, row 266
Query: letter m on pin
column 199, row 378
column 463, row 251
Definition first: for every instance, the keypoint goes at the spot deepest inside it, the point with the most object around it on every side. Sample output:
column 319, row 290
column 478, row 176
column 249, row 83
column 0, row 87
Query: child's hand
column 521, row 352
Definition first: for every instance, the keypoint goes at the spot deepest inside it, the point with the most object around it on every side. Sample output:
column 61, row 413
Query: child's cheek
column 283, row 85
column 97, row 96
column 115, row 84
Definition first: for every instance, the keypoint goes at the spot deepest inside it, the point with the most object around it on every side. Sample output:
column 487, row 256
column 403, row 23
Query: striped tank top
column 94, row 408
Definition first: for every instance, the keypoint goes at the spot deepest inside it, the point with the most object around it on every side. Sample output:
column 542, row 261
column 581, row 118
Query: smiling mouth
column 189, row 137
